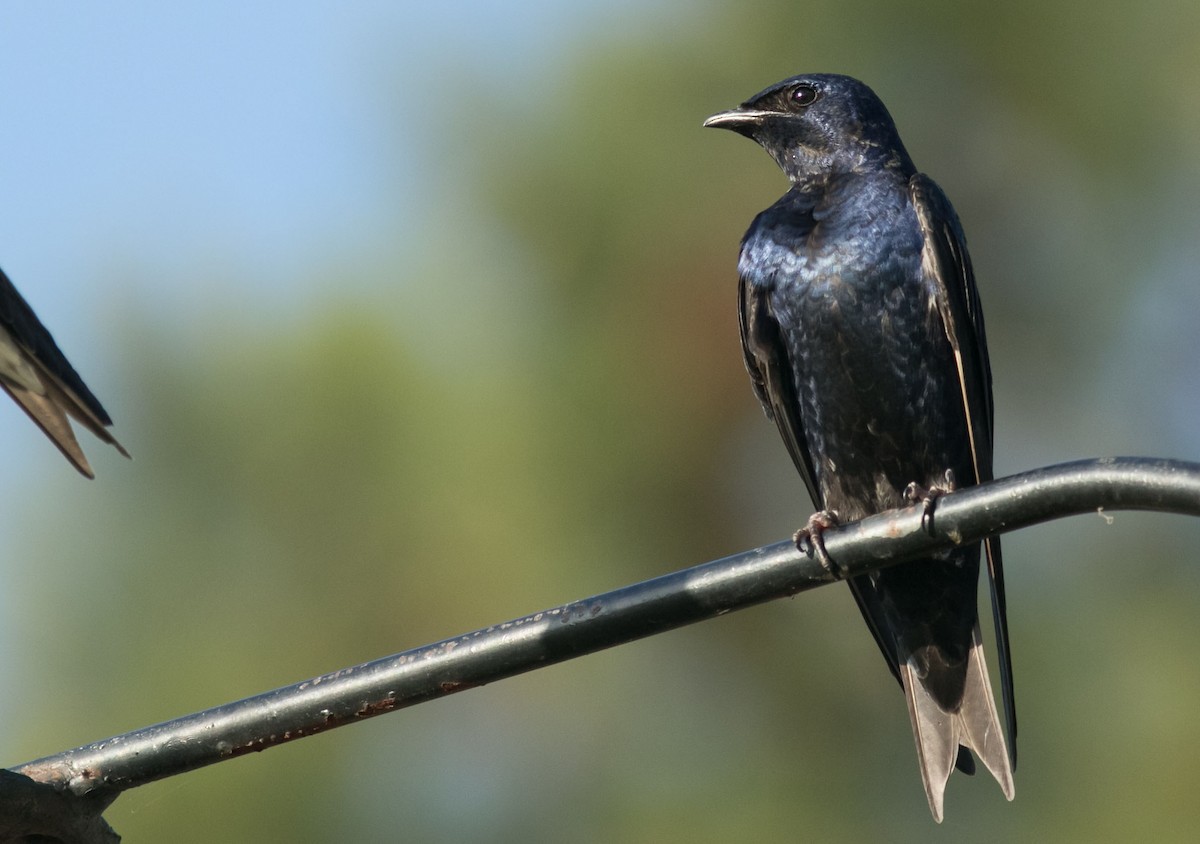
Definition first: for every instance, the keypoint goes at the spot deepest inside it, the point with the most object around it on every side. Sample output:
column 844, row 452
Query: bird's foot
column 808, row 539
column 914, row 492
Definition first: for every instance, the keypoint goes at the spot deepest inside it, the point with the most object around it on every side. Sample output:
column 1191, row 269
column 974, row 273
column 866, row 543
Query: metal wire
column 613, row 618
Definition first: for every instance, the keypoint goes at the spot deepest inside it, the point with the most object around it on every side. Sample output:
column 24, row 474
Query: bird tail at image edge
column 974, row 725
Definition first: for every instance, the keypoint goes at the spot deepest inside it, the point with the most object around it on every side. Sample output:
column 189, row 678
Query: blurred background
column 421, row 317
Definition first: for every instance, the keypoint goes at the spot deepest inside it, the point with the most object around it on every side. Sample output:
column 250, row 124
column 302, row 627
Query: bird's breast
column 873, row 369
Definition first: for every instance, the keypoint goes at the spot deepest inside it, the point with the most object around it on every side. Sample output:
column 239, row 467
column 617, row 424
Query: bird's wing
column 771, row 376
column 947, row 266
column 40, row 379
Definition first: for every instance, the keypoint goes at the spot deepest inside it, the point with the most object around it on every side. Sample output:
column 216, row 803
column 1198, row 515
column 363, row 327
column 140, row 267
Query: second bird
column 864, row 340
column 42, row 381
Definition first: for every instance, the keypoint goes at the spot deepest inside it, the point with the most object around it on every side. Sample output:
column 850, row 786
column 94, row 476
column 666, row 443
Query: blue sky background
column 162, row 136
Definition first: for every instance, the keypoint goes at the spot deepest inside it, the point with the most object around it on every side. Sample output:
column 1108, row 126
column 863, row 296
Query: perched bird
column 864, row 341
column 41, row 380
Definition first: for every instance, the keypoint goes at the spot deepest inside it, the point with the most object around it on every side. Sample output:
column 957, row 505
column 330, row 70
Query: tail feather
column 48, row 402
column 974, row 725
column 52, row 419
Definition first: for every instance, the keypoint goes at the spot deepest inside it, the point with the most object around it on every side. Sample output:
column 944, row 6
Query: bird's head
column 817, row 125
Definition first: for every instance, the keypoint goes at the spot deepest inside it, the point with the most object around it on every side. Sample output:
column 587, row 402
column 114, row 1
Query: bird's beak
column 741, row 120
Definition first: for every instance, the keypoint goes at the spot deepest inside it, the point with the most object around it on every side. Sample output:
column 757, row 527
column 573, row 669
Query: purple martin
column 863, row 336
column 41, row 380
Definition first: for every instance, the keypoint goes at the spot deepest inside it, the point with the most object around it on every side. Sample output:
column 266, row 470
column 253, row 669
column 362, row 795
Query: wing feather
column 947, row 265
column 40, row 379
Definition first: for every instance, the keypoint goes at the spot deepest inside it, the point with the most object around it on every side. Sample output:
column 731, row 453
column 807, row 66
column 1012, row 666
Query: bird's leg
column 810, row 536
column 914, row 492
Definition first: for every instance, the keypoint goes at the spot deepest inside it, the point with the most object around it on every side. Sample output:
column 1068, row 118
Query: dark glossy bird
column 41, row 380
column 864, row 341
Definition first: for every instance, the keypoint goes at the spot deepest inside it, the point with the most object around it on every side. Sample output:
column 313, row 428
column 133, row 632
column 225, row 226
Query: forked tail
column 974, row 725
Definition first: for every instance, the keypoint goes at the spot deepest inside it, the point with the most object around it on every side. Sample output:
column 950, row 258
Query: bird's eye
column 805, row 95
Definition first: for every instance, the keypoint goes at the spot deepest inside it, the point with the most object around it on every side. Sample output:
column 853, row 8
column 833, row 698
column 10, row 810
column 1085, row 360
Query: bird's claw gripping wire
column 809, row 540
column 914, row 493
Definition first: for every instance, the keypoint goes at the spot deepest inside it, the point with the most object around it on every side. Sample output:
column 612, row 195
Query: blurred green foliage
column 547, row 401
